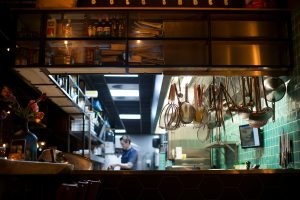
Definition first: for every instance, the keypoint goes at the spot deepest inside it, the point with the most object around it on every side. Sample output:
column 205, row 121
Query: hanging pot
column 259, row 117
column 275, row 91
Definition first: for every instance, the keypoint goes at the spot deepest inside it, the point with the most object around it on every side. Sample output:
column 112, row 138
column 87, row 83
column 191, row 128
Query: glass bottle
column 99, row 28
column 97, row 56
column 120, row 27
column 107, row 27
column 114, row 29
column 68, row 29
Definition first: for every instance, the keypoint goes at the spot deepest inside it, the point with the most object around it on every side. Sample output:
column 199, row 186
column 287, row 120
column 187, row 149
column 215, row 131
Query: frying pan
column 275, row 90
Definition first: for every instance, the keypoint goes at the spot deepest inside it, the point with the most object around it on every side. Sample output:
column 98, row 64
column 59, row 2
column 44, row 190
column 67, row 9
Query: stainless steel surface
column 190, row 28
column 248, row 28
column 247, row 53
column 30, row 167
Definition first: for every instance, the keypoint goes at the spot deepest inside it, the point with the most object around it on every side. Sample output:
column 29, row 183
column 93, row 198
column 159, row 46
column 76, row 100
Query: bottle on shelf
column 86, row 26
column 107, row 27
column 99, row 28
column 97, row 56
column 68, row 29
column 120, row 26
column 51, row 27
column 114, row 28
column 60, row 27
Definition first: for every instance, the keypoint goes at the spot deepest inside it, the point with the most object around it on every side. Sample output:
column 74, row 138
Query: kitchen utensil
column 169, row 117
column 275, row 90
column 198, row 105
column 187, row 111
column 172, row 118
column 250, row 104
column 180, row 95
column 151, row 24
column 269, row 111
column 243, row 109
column 259, row 117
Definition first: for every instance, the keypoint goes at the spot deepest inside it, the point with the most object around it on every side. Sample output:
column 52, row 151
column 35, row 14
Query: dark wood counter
column 164, row 185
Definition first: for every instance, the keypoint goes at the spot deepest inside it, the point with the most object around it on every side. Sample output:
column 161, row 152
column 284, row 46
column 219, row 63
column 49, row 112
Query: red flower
column 33, row 105
column 39, row 115
column 30, row 112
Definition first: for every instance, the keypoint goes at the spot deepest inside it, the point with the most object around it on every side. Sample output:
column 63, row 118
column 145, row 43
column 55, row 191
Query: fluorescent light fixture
column 130, row 116
column 120, row 131
column 91, row 93
column 124, row 93
column 122, row 75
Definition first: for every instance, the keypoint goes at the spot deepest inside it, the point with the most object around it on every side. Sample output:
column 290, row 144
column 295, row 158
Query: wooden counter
column 164, row 185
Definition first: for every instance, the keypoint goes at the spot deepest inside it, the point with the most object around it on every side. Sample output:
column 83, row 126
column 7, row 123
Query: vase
column 24, row 143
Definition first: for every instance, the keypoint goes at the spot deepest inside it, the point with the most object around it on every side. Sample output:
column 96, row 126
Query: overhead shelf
column 221, row 144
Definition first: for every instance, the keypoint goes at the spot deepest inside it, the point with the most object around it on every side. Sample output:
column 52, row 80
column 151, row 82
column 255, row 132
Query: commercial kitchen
column 207, row 91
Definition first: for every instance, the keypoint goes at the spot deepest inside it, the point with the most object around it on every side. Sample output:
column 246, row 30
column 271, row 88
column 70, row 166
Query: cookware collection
column 222, row 98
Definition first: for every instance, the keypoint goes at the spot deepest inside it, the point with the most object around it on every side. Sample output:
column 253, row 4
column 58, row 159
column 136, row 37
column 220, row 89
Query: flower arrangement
column 9, row 103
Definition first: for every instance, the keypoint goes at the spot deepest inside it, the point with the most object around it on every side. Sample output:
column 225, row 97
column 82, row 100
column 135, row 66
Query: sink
column 8, row 166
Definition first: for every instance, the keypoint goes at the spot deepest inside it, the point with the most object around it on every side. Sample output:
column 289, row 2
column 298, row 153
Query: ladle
column 187, row 111
column 243, row 109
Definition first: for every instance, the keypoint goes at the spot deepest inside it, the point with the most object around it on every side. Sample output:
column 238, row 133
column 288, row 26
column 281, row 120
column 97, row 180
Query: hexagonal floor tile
column 191, row 180
column 211, row 187
column 251, row 187
column 191, row 194
column 150, row 181
column 130, row 187
column 170, row 188
column 151, row 194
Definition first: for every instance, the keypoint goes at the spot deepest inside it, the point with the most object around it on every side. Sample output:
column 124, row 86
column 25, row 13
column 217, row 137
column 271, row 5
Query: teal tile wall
column 287, row 120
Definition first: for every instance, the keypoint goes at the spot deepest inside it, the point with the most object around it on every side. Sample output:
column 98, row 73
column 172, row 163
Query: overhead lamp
column 130, row 116
column 124, row 93
column 91, row 93
column 122, row 75
column 120, row 131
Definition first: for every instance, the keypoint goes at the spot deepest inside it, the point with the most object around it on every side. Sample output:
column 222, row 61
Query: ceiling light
column 122, row 75
column 130, row 116
column 91, row 93
column 120, row 131
column 124, row 93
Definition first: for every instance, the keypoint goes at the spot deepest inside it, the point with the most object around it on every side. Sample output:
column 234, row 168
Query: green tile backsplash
column 287, row 120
